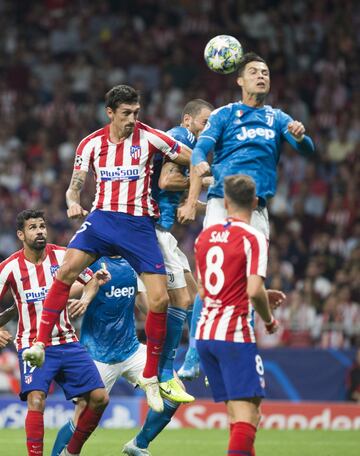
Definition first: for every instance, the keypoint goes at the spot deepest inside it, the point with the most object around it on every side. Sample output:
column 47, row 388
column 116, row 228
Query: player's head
column 31, row 229
column 195, row 115
column 253, row 75
column 122, row 104
column 240, row 193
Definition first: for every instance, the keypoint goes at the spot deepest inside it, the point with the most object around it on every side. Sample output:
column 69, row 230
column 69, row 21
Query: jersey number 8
column 214, row 262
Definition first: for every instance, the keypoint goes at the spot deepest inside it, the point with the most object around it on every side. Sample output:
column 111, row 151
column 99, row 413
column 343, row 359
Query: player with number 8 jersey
column 231, row 260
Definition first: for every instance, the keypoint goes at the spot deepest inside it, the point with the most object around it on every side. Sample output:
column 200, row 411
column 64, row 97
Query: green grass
column 193, row 442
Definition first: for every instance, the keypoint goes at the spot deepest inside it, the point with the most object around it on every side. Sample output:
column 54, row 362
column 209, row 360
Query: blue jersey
column 246, row 140
column 108, row 328
column 168, row 201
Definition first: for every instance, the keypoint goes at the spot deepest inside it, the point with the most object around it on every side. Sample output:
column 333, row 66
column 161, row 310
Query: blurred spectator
column 353, row 380
column 9, row 371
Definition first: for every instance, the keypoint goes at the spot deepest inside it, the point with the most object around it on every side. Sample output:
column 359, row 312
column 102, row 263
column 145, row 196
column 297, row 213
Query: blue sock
column 174, row 328
column 189, row 314
column 155, row 423
column 63, row 438
column 198, row 305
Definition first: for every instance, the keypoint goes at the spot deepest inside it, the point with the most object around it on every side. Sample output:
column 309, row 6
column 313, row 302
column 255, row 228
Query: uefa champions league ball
column 223, row 53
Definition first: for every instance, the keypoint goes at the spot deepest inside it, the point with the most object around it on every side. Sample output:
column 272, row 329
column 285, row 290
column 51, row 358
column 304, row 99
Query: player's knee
column 36, row 401
column 98, row 399
column 159, row 303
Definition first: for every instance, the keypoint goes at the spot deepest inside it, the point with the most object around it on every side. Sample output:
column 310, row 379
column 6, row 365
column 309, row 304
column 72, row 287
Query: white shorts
column 216, row 212
column 129, row 369
column 175, row 261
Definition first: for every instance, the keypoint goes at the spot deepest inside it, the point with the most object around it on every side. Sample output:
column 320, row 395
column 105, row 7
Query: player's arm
column 77, row 182
column 293, row 132
column 141, row 302
column 259, row 298
column 187, row 212
column 5, row 337
column 171, row 178
column 8, row 314
column 184, row 155
column 77, row 307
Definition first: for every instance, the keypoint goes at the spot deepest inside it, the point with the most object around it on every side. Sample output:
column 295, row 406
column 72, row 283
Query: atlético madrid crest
column 28, row 379
column 135, row 152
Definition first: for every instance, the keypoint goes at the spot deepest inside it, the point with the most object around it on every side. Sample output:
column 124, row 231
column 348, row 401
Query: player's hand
column 297, row 130
column 272, row 326
column 276, row 298
column 102, row 276
column 207, row 181
column 202, row 169
column 75, row 211
column 5, row 337
column 186, row 213
column 77, row 307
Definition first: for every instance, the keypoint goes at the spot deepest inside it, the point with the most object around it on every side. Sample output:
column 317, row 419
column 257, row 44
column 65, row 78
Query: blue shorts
column 69, row 365
column 107, row 233
column 234, row 370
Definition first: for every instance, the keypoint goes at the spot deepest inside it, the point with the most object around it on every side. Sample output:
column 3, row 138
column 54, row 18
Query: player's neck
column 34, row 256
column 244, row 216
column 117, row 136
column 254, row 100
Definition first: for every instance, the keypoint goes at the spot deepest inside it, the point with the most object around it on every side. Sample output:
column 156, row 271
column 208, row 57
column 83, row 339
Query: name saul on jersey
column 251, row 133
column 118, row 292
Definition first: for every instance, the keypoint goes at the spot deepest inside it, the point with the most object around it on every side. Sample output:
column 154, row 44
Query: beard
column 38, row 244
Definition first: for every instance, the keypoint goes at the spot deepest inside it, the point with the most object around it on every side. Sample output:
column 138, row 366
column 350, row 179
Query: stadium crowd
column 58, row 58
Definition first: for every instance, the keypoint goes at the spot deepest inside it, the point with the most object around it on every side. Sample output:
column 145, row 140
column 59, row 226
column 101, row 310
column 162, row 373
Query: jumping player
column 231, row 259
column 245, row 138
column 173, row 183
column 121, row 222
column 108, row 332
column 29, row 273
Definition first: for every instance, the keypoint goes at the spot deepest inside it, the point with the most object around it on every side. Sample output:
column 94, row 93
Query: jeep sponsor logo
column 126, row 292
column 251, row 133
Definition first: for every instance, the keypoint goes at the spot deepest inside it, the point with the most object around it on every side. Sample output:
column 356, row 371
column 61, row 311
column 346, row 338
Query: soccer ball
column 223, row 53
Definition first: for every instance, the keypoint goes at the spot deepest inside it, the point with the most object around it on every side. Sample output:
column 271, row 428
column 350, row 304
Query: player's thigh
column 215, row 212
column 78, row 374
column 75, row 261
column 156, row 290
column 211, row 365
column 173, row 263
column 242, row 370
column 260, row 221
column 134, row 365
column 109, row 373
column 36, row 378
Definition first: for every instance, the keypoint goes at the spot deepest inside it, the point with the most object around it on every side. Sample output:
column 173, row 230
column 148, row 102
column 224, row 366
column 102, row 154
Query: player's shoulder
column 13, row 258
column 152, row 131
column 224, row 111
column 94, row 136
column 54, row 247
column 183, row 135
column 248, row 231
column 277, row 113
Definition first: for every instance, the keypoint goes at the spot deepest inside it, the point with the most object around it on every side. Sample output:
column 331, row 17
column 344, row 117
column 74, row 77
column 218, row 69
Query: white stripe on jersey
column 221, row 330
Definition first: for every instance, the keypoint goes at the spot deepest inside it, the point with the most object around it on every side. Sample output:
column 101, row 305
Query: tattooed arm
column 73, row 195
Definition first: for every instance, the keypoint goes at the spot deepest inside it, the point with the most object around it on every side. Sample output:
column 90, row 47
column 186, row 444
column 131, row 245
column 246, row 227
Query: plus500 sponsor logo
column 120, row 292
column 251, row 133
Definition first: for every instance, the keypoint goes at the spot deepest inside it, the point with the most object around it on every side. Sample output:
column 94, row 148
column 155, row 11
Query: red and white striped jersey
column 29, row 284
column 226, row 255
column 123, row 171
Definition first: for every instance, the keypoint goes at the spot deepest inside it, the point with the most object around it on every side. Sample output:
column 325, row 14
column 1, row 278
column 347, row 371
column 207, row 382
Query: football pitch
column 195, row 442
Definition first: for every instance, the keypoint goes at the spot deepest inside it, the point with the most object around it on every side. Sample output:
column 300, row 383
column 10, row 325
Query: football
column 223, row 53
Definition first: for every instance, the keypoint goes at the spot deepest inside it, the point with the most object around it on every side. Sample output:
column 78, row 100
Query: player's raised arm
column 8, row 314
column 184, row 155
column 293, row 132
column 187, row 212
column 73, row 195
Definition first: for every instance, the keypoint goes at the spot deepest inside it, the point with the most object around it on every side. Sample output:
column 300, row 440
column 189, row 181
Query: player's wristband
column 270, row 325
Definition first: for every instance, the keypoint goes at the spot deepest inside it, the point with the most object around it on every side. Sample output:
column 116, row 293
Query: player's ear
column 226, row 203
column 110, row 113
column 20, row 235
column 255, row 203
column 240, row 81
column 186, row 120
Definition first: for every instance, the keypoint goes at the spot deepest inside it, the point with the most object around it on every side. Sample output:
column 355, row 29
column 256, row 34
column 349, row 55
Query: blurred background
column 59, row 57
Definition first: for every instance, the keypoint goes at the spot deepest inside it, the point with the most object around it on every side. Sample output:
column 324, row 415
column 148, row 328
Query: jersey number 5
column 214, row 275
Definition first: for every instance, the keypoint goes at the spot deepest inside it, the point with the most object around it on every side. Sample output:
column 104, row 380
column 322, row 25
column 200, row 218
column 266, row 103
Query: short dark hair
column 240, row 189
column 121, row 94
column 247, row 58
column 26, row 215
column 193, row 107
